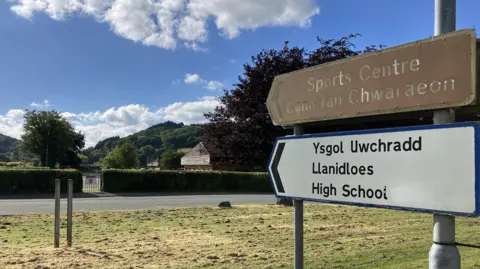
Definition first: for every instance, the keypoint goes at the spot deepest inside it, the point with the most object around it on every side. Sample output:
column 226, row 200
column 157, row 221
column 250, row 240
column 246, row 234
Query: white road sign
column 425, row 168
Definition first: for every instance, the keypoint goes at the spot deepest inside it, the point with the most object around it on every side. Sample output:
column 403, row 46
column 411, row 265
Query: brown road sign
column 438, row 72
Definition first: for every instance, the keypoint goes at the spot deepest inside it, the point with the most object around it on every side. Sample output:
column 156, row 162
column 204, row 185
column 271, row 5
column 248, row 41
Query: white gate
column 92, row 183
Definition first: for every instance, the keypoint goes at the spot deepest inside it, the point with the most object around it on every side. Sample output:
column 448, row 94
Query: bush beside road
column 37, row 181
column 118, row 181
column 41, row 181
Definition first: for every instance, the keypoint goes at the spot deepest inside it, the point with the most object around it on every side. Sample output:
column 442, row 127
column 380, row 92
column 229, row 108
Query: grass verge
column 242, row 237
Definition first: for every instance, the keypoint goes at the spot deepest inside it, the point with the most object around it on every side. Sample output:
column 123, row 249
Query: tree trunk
column 43, row 160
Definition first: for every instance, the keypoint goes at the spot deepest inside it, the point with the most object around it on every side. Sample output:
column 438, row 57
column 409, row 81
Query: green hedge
column 116, row 180
column 28, row 181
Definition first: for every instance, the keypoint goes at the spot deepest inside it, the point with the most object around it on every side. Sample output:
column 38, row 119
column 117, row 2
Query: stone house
column 204, row 157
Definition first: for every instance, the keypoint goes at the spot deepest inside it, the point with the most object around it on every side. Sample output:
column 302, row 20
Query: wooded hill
column 151, row 142
column 9, row 152
column 8, row 146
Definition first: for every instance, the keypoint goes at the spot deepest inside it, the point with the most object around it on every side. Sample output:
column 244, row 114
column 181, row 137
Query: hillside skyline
column 93, row 144
column 151, row 143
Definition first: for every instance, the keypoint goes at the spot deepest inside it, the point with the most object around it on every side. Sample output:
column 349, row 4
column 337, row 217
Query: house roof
column 209, row 147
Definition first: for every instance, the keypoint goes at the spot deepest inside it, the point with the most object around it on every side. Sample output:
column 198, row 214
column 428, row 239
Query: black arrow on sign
column 276, row 161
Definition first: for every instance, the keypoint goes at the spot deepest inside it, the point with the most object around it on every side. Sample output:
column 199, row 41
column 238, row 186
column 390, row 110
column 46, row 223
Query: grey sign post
column 57, row 214
column 69, row 212
column 298, row 204
column 444, row 253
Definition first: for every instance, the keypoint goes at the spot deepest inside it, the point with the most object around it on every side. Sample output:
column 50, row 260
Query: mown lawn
column 242, row 237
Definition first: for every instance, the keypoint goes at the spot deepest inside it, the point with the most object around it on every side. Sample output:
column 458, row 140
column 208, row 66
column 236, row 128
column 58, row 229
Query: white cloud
column 193, row 79
column 190, row 112
column 43, row 104
column 192, row 29
column 11, row 123
column 121, row 121
column 163, row 23
column 211, row 85
column 194, row 46
column 15, row 114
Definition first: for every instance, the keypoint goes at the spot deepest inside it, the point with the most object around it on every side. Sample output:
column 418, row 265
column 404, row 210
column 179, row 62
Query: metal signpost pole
column 298, row 130
column 444, row 253
column 69, row 212
column 57, row 214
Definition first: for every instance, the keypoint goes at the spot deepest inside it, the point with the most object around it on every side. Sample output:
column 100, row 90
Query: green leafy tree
column 124, row 157
column 147, row 154
column 83, row 158
column 240, row 129
column 170, row 160
column 50, row 136
column 112, row 160
column 71, row 157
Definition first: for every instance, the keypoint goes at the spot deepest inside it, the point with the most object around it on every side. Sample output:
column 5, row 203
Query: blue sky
column 117, row 66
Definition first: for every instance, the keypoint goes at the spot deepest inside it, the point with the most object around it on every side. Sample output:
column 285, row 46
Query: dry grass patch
column 242, row 237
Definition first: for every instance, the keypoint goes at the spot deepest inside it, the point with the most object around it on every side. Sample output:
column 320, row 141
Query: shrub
column 27, row 181
column 117, row 180
column 16, row 164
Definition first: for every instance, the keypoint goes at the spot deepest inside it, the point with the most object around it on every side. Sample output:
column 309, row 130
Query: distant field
column 243, row 237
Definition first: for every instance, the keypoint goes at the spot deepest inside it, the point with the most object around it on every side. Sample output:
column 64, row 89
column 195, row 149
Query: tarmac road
column 11, row 206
